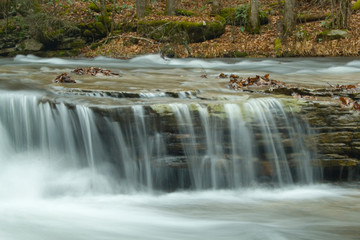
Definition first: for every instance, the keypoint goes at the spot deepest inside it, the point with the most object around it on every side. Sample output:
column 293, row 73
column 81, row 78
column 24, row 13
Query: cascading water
column 237, row 145
column 228, row 151
column 161, row 153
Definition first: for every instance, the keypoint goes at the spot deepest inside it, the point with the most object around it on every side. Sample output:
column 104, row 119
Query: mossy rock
column 183, row 12
column 105, row 20
column 94, row 7
column 93, row 31
column 71, row 43
column 87, row 33
column 126, row 27
column 239, row 16
column 51, row 38
column 332, row 34
column 100, row 28
column 356, row 6
column 236, row 54
column 229, row 14
column 190, row 32
column 304, row 18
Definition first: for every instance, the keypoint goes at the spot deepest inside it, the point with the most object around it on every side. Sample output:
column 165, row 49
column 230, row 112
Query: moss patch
column 190, row 32
column 356, row 6
column 332, row 34
column 239, row 16
column 183, row 12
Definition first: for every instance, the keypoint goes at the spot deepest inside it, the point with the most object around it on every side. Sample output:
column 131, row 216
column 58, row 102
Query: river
column 67, row 170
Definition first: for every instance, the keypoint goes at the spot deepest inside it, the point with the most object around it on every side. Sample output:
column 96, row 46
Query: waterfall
column 137, row 149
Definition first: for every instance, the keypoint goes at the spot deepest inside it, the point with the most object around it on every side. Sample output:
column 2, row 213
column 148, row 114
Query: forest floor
column 127, row 44
column 234, row 38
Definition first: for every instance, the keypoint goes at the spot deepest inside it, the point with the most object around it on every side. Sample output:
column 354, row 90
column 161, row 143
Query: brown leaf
column 356, row 106
column 350, row 87
column 223, row 75
column 346, row 101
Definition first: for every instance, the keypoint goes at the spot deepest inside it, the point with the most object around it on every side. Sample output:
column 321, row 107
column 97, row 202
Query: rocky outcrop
column 334, row 139
column 337, row 137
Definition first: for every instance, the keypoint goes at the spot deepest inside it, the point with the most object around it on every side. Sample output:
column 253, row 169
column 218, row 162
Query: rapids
column 214, row 165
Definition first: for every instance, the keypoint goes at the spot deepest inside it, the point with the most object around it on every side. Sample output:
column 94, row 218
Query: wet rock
column 349, row 162
column 94, row 71
column 64, row 78
column 236, row 82
column 7, row 51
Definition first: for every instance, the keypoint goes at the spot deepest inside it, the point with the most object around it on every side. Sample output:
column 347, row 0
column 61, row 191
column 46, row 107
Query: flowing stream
column 186, row 158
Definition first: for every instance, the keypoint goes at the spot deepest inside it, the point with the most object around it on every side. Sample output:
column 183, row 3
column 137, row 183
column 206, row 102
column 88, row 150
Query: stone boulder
column 31, row 45
column 332, row 34
column 175, row 31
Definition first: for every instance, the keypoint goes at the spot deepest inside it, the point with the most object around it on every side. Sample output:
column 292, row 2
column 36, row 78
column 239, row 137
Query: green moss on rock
column 239, row 16
column 183, row 12
column 332, row 34
column 94, row 7
column 236, row 54
column 229, row 14
column 356, row 6
column 170, row 31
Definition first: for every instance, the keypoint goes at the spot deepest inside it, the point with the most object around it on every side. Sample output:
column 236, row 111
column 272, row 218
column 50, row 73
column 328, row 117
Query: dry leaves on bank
column 94, row 71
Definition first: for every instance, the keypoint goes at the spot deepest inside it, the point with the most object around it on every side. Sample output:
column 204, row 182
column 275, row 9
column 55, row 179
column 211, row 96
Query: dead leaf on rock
column 94, row 71
column 64, row 78
column 237, row 82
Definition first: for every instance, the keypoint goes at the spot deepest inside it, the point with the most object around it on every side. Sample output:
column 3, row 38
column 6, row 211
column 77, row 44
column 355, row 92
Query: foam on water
column 297, row 213
column 155, row 61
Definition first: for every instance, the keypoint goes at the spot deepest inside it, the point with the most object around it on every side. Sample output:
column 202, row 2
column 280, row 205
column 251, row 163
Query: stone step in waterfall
column 166, row 146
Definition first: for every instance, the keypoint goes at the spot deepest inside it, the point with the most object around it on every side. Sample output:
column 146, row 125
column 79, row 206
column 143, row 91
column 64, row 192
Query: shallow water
column 321, row 212
column 151, row 72
column 45, row 195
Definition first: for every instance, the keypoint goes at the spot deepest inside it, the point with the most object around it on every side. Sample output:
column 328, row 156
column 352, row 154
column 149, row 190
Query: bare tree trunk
column 171, row 7
column 7, row 16
column 141, row 8
column 112, row 17
column 254, row 17
column 341, row 12
column 103, row 14
column 289, row 16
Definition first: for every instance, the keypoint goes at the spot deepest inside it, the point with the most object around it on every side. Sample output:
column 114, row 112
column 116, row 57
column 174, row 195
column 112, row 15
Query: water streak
column 237, row 145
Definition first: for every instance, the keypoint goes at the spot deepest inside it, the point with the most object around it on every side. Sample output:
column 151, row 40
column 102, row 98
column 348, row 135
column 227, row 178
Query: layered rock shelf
column 334, row 139
column 337, row 137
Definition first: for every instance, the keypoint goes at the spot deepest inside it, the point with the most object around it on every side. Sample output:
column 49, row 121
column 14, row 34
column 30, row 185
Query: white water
column 60, row 180
column 290, row 66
